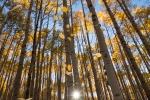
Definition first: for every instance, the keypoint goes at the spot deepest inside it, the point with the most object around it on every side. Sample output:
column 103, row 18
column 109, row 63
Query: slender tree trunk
column 128, row 72
column 128, row 52
column 21, row 60
column 105, row 54
column 37, row 86
column 92, row 61
column 85, row 69
column 9, row 92
column 120, row 75
column 32, row 64
column 9, row 79
column 144, row 60
column 77, row 83
column 59, row 83
column 68, row 53
column 130, row 17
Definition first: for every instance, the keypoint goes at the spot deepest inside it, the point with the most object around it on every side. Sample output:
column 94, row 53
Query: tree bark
column 128, row 52
column 68, row 53
column 105, row 54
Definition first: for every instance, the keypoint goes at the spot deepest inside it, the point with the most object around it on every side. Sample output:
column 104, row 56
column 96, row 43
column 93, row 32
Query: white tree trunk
column 105, row 55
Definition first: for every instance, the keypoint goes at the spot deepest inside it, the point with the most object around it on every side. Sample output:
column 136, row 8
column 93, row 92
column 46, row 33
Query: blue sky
column 97, row 6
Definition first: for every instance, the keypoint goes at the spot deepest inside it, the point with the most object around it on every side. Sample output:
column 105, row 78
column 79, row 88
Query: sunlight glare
column 76, row 95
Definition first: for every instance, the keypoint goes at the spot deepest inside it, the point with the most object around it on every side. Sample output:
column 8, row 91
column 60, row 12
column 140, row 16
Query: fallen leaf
column 69, row 68
column 60, row 18
column 98, row 55
column 61, row 36
column 69, row 38
column 54, row 27
column 16, row 7
column 95, row 57
column 68, row 73
column 55, row 18
column 67, row 26
column 64, row 9
column 90, row 14
column 72, row 34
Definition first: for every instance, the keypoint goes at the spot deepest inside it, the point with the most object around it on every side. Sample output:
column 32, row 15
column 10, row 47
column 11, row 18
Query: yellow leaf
column 86, row 45
column 43, row 34
column 69, row 38
column 55, row 18
column 68, row 30
column 10, row 52
column 61, row 36
column 97, row 24
column 67, row 26
column 68, row 73
column 90, row 14
column 69, row 67
column 54, row 27
column 95, row 57
column 87, row 31
column 72, row 34
column 16, row 7
column 64, row 9
column 98, row 55
column 60, row 18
